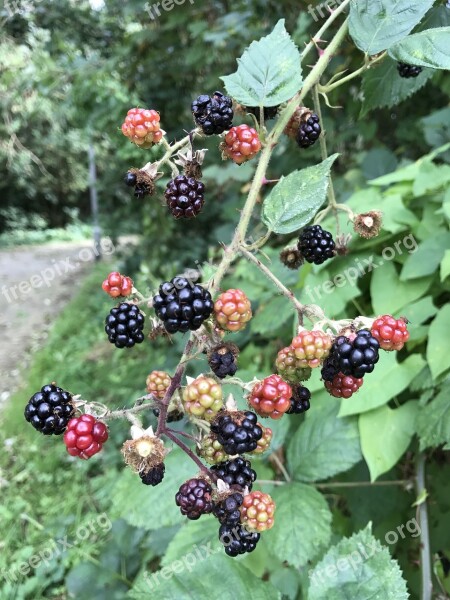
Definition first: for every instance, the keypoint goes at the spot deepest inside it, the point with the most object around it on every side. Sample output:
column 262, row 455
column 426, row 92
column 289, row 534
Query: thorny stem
column 169, row 434
column 368, row 63
column 425, row 552
column 333, row 16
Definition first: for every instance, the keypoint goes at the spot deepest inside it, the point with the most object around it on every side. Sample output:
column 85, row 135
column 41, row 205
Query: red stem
column 168, row 433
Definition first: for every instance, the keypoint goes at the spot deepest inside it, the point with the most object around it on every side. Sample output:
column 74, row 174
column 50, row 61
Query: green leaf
column 194, row 534
column 431, row 177
column 376, row 26
column 358, row 567
column 445, row 265
column 388, row 379
column 438, row 356
column 296, row 198
column 303, row 524
column 425, row 49
column 382, row 86
column 433, row 421
column 324, row 444
column 198, row 575
column 272, row 315
column 420, row 311
column 426, row 259
column 269, row 71
column 382, row 452
column 389, row 294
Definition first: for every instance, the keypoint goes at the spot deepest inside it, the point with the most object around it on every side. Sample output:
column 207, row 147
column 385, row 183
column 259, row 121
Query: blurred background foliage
column 69, row 71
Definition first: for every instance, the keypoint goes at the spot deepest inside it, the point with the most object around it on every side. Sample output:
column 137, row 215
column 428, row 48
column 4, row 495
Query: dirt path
column 36, row 282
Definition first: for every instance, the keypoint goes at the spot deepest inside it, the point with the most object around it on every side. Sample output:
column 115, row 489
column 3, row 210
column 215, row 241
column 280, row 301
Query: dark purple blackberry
column 227, row 511
column 223, row 362
column 140, row 191
column 408, row 71
column 124, row 325
column 299, row 401
column 50, row 410
column 184, row 196
column 359, row 356
column 181, row 305
column 309, row 132
column 213, row 114
column 270, row 112
column 238, row 433
column 329, row 369
column 194, row 498
column 237, row 540
column 130, row 179
column 154, row 475
column 237, row 472
column 316, row 244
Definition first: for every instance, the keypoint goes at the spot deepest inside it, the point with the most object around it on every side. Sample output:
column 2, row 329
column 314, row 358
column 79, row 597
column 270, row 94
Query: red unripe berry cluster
column 271, row 397
column 142, row 127
column 257, row 511
column 241, row 144
column 117, row 285
column 85, row 436
column 343, row 386
column 392, row 334
column 233, row 310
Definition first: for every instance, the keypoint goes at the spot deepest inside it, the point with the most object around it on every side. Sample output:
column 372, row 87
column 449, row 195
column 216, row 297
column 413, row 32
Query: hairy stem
column 170, row 434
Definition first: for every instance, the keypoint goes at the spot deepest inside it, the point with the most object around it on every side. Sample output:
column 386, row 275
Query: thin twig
column 425, row 552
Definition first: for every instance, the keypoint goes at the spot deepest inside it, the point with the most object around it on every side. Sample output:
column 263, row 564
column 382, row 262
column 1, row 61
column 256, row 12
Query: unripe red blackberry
column 158, row 383
column 311, row 348
column 257, row 512
column 194, row 498
column 203, row 398
column 142, row 127
column 241, row 144
column 271, row 397
column 391, row 333
column 287, row 366
column 85, row 436
column 343, row 386
column 50, row 410
column 117, row 285
column 184, row 196
column 232, row 310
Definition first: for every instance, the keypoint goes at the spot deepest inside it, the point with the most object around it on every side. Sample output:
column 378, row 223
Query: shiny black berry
column 237, row 540
column 223, row 362
column 194, row 498
column 238, row 433
column 172, row 415
column 316, row 245
column 270, row 112
column 124, row 325
column 50, row 410
column 227, row 511
column 359, row 356
column 181, row 305
column 213, row 114
column 154, row 476
column 408, row 71
column 130, row 179
column 184, row 196
column 237, row 472
column 299, row 400
column 309, row 132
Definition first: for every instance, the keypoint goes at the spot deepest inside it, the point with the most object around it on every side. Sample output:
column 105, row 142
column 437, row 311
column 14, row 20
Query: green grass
column 21, row 237
column 46, row 494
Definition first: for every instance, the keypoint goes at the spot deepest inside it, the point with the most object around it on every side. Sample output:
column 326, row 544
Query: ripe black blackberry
column 237, row 540
column 124, row 325
column 184, row 196
column 181, row 305
column 408, row 71
column 130, row 179
column 50, row 410
column 154, row 476
column 194, row 498
column 227, row 511
column 300, row 400
column 237, row 472
column 308, row 133
column 172, row 415
column 238, row 432
column 270, row 112
column 316, row 244
column 329, row 369
column 222, row 362
column 213, row 114
column 359, row 356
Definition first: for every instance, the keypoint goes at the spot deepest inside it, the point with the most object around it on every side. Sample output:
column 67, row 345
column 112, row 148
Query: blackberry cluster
column 315, row 244
column 213, row 114
column 408, row 71
column 356, row 357
column 194, row 498
column 227, row 511
column 182, row 306
column 50, row 410
column 184, row 196
column 237, row 472
column 124, row 325
column 237, row 435
column 223, row 362
column 237, row 540
column 299, row 401
column 309, row 132
column 270, row 112
column 154, row 475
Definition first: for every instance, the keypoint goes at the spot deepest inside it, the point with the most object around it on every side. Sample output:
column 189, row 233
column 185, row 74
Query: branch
column 425, row 552
column 333, row 16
